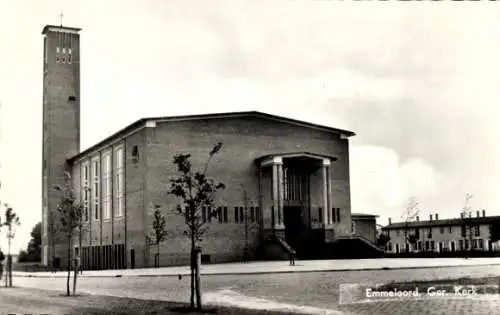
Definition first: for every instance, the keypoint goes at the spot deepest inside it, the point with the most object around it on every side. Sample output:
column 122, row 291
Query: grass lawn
column 30, row 301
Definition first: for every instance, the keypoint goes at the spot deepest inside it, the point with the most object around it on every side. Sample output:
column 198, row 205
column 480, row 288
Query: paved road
column 307, row 292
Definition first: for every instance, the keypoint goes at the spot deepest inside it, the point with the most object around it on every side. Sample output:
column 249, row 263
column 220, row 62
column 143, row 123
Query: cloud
column 382, row 183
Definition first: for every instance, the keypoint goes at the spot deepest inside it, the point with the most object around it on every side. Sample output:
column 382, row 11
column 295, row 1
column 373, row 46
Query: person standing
column 2, row 258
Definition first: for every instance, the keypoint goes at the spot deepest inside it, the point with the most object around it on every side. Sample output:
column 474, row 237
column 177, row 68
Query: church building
column 287, row 181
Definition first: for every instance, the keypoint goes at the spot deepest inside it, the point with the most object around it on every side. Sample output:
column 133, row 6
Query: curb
column 184, row 274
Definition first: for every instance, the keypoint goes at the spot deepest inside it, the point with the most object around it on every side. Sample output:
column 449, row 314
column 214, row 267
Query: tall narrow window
column 85, row 190
column 70, row 56
column 119, row 183
column 96, row 189
column 106, row 185
column 236, row 215
column 242, row 214
column 338, row 214
column 225, row 214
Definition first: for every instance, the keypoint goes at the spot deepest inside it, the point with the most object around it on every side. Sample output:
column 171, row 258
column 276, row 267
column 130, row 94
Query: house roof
column 364, row 216
column 141, row 123
column 444, row 222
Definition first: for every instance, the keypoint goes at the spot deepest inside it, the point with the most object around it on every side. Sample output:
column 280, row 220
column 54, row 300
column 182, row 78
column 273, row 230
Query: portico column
column 278, row 192
column 326, row 191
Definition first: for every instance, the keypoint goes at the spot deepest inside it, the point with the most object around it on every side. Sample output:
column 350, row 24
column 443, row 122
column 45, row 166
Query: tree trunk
column 75, row 275
column 197, row 274
column 192, row 274
column 9, row 259
column 69, row 267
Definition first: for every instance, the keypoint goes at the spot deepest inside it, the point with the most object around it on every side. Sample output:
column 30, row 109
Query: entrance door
column 293, row 225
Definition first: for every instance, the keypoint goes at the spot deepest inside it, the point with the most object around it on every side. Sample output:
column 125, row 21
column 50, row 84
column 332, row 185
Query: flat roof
column 443, row 222
column 141, row 123
column 60, row 28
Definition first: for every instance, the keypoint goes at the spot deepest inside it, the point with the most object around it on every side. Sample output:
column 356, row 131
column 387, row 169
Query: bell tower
column 61, row 124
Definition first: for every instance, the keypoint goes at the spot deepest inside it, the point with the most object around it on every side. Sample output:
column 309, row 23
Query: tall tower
column 61, row 125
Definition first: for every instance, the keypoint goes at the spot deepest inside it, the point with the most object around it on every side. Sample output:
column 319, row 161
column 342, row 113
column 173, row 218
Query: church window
column 204, row 214
column 225, row 214
column 242, row 214
column 85, row 190
column 119, row 183
column 219, row 214
column 106, row 185
column 236, row 215
column 96, row 189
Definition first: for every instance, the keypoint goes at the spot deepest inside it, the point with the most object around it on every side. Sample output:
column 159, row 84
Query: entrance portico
column 296, row 197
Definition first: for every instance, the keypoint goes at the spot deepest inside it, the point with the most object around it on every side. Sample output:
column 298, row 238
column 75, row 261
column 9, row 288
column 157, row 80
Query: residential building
column 442, row 235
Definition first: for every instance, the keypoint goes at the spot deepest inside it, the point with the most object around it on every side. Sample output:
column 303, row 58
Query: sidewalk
column 270, row 267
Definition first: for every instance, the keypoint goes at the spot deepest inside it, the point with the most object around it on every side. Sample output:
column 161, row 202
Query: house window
column 85, row 190
column 119, row 183
column 353, row 227
column 449, row 229
column 96, row 193
column 480, row 243
column 430, row 233
column 397, row 232
column 441, row 229
column 106, row 185
column 338, row 214
column 334, row 218
column 477, row 231
column 242, row 214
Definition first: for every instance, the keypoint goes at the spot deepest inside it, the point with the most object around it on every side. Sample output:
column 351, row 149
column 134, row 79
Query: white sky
column 418, row 83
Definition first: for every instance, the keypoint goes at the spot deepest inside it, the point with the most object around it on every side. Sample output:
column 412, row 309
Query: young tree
column 159, row 233
column 11, row 221
column 197, row 193
column 70, row 213
column 409, row 216
column 467, row 226
column 250, row 222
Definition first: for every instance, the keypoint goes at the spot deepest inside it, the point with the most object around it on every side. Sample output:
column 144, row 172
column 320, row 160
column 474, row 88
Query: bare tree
column 11, row 221
column 71, row 217
column 197, row 193
column 467, row 227
column 159, row 233
column 411, row 212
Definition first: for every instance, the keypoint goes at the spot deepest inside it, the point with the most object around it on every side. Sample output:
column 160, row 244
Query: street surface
column 314, row 293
